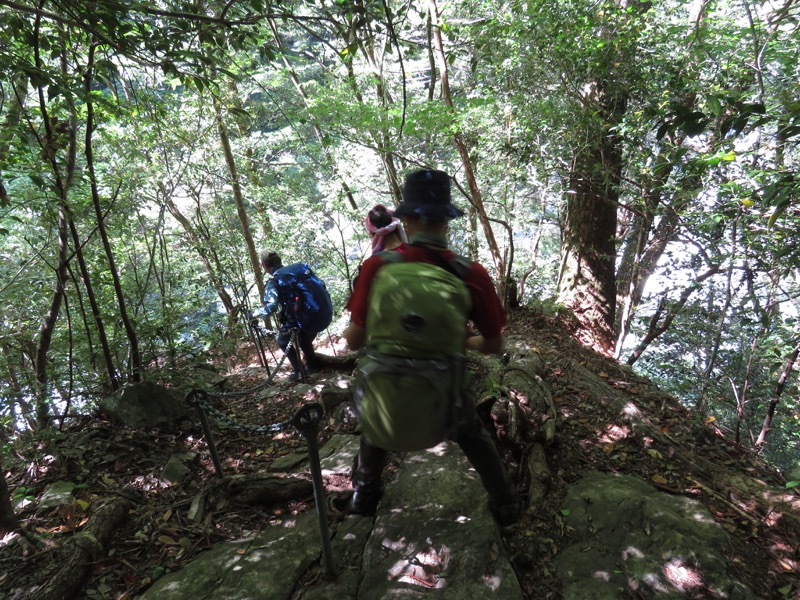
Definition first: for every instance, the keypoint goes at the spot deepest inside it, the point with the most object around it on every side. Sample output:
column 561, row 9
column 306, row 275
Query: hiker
column 301, row 301
column 415, row 346
column 384, row 228
column 386, row 233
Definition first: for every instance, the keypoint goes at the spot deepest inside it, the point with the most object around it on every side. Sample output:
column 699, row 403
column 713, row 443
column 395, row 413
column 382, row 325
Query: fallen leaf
column 659, row 479
column 786, row 565
column 165, row 539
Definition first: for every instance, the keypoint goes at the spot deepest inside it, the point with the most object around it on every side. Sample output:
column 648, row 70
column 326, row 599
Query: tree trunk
column 646, row 239
column 45, row 336
column 136, row 360
column 8, row 520
column 469, row 170
column 201, row 242
column 255, row 262
column 659, row 326
column 776, row 397
column 97, row 316
column 13, row 114
column 587, row 282
column 50, row 144
column 72, row 562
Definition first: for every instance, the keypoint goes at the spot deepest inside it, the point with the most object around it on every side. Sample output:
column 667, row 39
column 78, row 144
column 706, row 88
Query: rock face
column 433, row 533
column 634, row 539
column 145, row 405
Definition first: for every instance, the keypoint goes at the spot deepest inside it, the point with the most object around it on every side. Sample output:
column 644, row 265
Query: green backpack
column 412, row 375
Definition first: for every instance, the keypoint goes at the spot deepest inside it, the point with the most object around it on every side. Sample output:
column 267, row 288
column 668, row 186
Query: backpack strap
column 459, row 266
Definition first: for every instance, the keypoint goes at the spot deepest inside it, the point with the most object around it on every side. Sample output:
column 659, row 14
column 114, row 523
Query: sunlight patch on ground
column 492, row 582
column 631, row 552
column 424, row 568
column 614, row 433
column 519, row 397
column 438, row 450
column 681, row 576
column 632, row 412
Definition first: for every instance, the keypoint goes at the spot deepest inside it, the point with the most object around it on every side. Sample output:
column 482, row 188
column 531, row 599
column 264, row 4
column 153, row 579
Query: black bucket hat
column 426, row 194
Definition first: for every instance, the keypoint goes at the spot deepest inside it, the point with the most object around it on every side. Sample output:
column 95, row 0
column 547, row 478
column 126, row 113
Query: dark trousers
column 305, row 340
column 474, row 441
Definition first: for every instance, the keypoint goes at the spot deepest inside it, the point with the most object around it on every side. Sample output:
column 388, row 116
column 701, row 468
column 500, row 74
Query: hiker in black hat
column 406, row 333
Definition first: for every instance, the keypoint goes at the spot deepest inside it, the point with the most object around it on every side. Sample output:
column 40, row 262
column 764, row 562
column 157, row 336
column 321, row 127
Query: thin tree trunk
column 713, row 349
column 765, row 321
column 8, row 520
column 534, row 254
column 48, row 325
column 255, row 262
column 657, row 326
column 96, row 314
column 469, row 171
column 200, row 243
column 136, row 360
column 13, row 114
column 776, row 396
column 50, row 144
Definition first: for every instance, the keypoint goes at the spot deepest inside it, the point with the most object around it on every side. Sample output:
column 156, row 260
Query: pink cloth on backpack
column 379, row 234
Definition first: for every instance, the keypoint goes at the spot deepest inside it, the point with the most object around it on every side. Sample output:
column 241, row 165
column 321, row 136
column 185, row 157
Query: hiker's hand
column 485, row 345
column 355, row 336
column 474, row 341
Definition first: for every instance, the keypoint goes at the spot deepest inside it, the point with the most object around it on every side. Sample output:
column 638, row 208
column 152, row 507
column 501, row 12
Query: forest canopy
column 630, row 164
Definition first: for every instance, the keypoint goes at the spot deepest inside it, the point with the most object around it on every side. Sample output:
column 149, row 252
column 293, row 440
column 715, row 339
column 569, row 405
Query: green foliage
column 707, row 122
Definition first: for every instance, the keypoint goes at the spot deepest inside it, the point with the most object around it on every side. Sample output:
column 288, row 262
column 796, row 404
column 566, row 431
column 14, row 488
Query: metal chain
column 198, row 399
column 253, row 390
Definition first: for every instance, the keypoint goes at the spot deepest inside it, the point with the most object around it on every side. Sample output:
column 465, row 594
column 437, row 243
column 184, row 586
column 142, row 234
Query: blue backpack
column 304, row 298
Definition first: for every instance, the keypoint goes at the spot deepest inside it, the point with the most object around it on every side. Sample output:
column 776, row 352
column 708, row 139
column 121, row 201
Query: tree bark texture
column 587, row 284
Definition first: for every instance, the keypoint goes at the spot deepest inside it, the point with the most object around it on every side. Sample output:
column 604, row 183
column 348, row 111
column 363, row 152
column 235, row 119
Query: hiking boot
column 507, row 513
column 364, row 502
column 294, row 376
column 312, row 369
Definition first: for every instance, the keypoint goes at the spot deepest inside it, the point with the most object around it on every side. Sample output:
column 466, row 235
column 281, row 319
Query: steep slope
column 608, row 463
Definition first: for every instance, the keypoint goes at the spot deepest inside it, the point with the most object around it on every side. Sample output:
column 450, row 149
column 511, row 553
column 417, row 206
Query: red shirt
column 487, row 311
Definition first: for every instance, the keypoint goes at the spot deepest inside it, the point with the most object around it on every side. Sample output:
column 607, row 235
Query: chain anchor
column 198, row 398
column 305, row 421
